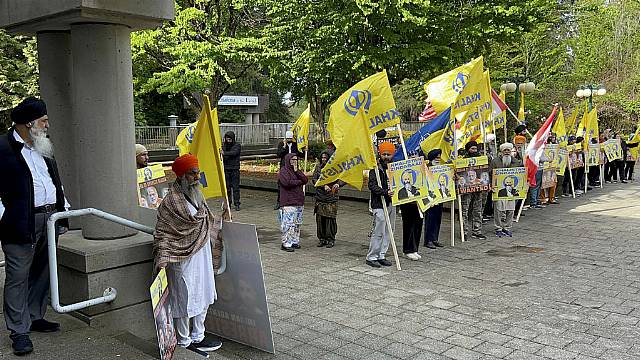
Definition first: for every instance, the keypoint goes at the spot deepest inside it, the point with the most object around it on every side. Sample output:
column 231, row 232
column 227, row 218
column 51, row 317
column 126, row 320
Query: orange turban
column 184, row 163
column 386, row 147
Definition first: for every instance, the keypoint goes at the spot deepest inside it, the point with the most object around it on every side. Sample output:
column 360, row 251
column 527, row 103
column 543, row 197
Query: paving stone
column 524, row 345
column 434, row 333
column 400, row 350
column 493, row 337
column 556, row 354
column 463, row 341
column 433, row 346
column 459, row 353
column 493, row 350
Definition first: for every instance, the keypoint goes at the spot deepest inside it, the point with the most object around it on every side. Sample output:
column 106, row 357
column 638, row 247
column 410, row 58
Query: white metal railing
column 164, row 137
column 109, row 293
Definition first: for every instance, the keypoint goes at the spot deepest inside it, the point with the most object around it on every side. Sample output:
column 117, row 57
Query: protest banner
column 509, row 183
column 551, row 152
column 575, row 157
column 612, row 149
column 163, row 316
column 443, row 185
column 241, row 312
column 549, row 177
column 472, row 174
column 152, row 186
column 593, row 155
column 409, row 182
column 562, row 159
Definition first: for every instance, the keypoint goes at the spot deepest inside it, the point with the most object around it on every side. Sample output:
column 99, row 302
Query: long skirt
column 290, row 225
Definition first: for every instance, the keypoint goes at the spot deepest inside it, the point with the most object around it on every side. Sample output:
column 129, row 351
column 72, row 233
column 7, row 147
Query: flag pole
column 520, row 210
column 455, row 156
column 453, row 223
column 306, row 153
column 386, row 216
column 573, row 190
column 406, row 157
column 483, row 132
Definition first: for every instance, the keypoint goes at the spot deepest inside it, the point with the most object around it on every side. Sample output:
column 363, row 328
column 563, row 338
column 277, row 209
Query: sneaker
column 507, row 233
column 607, row 181
column 296, row 246
column 197, row 351
column 321, row 243
column 21, row 344
column 438, row 244
column 615, row 181
column 539, row 207
column 418, row 255
column 237, row 207
column 44, row 326
column 384, row 262
column 430, row 245
column 207, row 345
column 623, row 181
column 287, row 249
column 566, row 195
column 499, row 233
column 478, row 236
column 373, row 263
column 579, row 192
column 412, row 256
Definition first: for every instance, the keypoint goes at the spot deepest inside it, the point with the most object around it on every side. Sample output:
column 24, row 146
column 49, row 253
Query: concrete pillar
column 256, row 119
column 103, row 109
column 56, row 77
column 248, row 119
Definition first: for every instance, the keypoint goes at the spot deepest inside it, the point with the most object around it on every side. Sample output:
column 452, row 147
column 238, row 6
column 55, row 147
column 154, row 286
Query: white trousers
column 186, row 337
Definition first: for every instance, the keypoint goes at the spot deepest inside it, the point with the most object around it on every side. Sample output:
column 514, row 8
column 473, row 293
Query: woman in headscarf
column 291, row 180
column 326, row 207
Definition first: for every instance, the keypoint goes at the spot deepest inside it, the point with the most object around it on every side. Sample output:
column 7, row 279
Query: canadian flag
column 429, row 113
column 498, row 106
column 536, row 148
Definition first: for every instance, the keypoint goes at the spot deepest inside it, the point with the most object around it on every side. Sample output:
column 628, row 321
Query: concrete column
column 56, row 76
column 248, row 119
column 103, row 109
column 256, row 119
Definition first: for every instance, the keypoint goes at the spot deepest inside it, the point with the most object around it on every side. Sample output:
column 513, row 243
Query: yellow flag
column 571, row 124
column 580, row 131
column 206, row 146
column 301, row 129
column 560, row 130
column 592, row 130
column 185, row 138
column 351, row 157
column 634, row 140
column 466, row 88
column 443, row 138
column 521, row 115
column 371, row 96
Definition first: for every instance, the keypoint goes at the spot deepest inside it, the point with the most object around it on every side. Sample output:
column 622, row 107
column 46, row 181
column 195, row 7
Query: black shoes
column 430, row 245
column 287, row 249
column 21, row 345
column 237, row 207
column 330, row 244
column 438, row 244
column 276, row 207
column 207, row 345
column 384, row 262
column 373, row 263
column 44, row 326
column 296, row 246
column 478, row 236
column 322, row 243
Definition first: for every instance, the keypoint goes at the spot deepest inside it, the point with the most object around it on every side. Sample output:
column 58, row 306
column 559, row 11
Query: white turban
column 506, row 146
column 490, row 137
column 140, row 149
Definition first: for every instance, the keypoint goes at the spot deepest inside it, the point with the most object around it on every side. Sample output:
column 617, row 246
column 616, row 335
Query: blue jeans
column 535, row 191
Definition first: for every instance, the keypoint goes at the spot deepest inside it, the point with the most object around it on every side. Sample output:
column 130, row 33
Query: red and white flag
column 498, row 106
column 536, row 148
column 429, row 113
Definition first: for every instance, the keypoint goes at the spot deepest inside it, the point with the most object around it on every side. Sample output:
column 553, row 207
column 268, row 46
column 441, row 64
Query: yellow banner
column 509, row 183
column 373, row 99
column 153, row 172
column 563, row 158
column 207, row 149
column 445, row 186
column 612, row 149
column 560, row 129
column 593, row 155
column 301, row 129
column 572, row 121
column 158, row 287
column 409, row 182
column 521, row 115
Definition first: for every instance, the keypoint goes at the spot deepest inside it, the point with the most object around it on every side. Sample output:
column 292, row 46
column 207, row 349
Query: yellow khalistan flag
column 583, row 122
column 633, row 140
column 592, row 130
column 521, row 115
column 203, row 140
column 571, row 124
column 301, row 129
column 466, row 88
column 371, row 99
column 351, row 157
column 560, row 129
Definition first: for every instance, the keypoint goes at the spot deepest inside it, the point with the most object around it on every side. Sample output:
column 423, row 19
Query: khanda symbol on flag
column 357, row 114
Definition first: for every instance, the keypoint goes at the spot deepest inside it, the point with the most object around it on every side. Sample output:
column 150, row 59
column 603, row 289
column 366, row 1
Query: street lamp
column 517, row 86
column 589, row 91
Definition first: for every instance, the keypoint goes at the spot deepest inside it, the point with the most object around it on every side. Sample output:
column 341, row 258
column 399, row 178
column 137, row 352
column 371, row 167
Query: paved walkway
column 566, row 286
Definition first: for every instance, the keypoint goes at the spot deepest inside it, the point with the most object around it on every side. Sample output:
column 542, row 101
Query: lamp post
column 517, row 85
column 589, row 91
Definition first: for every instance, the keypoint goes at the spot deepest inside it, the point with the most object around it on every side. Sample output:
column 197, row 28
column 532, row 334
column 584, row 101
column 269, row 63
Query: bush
column 316, row 148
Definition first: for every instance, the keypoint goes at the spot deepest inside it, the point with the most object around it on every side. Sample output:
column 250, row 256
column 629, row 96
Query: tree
column 18, row 72
column 323, row 47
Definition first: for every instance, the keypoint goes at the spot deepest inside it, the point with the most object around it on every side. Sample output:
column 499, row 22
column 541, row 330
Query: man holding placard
column 506, row 189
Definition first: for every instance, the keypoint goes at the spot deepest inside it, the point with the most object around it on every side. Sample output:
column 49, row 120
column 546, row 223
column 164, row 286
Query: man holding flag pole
column 300, row 131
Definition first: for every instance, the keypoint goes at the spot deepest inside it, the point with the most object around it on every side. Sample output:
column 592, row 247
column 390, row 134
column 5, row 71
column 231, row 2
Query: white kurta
column 192, row 287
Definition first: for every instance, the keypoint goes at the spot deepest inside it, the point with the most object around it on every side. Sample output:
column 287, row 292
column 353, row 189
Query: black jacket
column 17, row 225
column 231, row 156
column 378, row 192
column 283, row 150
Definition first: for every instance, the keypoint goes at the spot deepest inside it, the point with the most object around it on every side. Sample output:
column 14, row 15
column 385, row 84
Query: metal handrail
column 109, row 293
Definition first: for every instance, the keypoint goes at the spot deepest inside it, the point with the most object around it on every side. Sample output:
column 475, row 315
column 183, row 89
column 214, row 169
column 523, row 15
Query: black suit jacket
column 402, row 194
column 503, row 193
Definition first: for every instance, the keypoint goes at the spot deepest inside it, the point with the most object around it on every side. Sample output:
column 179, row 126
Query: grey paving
column 566, row 286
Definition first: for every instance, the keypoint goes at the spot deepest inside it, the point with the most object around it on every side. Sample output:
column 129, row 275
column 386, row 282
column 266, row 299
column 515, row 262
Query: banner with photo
column 409, row 182
column 472, row 174
column 443, row 184
column 163, row 316
column 152, row 186
column 612, row 149
column 563, row 158
column 575, row 157
column 593, row 155
column 549, row 177
column 509, row 183
column 551, row 152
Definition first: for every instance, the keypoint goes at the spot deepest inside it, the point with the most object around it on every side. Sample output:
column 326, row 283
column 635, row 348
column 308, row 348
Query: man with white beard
column 504, row 209
column 31, row 191
column 183, row 241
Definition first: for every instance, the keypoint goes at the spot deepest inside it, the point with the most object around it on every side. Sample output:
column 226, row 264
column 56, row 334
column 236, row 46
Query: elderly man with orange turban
column 185, row 234
column 380, row 239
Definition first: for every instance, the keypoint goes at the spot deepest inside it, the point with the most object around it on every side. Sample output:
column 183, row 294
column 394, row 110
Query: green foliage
column 18, row 72
column 316, row 148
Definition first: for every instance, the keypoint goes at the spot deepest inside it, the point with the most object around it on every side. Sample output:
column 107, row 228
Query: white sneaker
column 418, row 255
column 412, row 256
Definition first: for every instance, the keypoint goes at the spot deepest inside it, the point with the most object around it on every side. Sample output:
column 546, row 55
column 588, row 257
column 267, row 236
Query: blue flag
column 433, row 127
